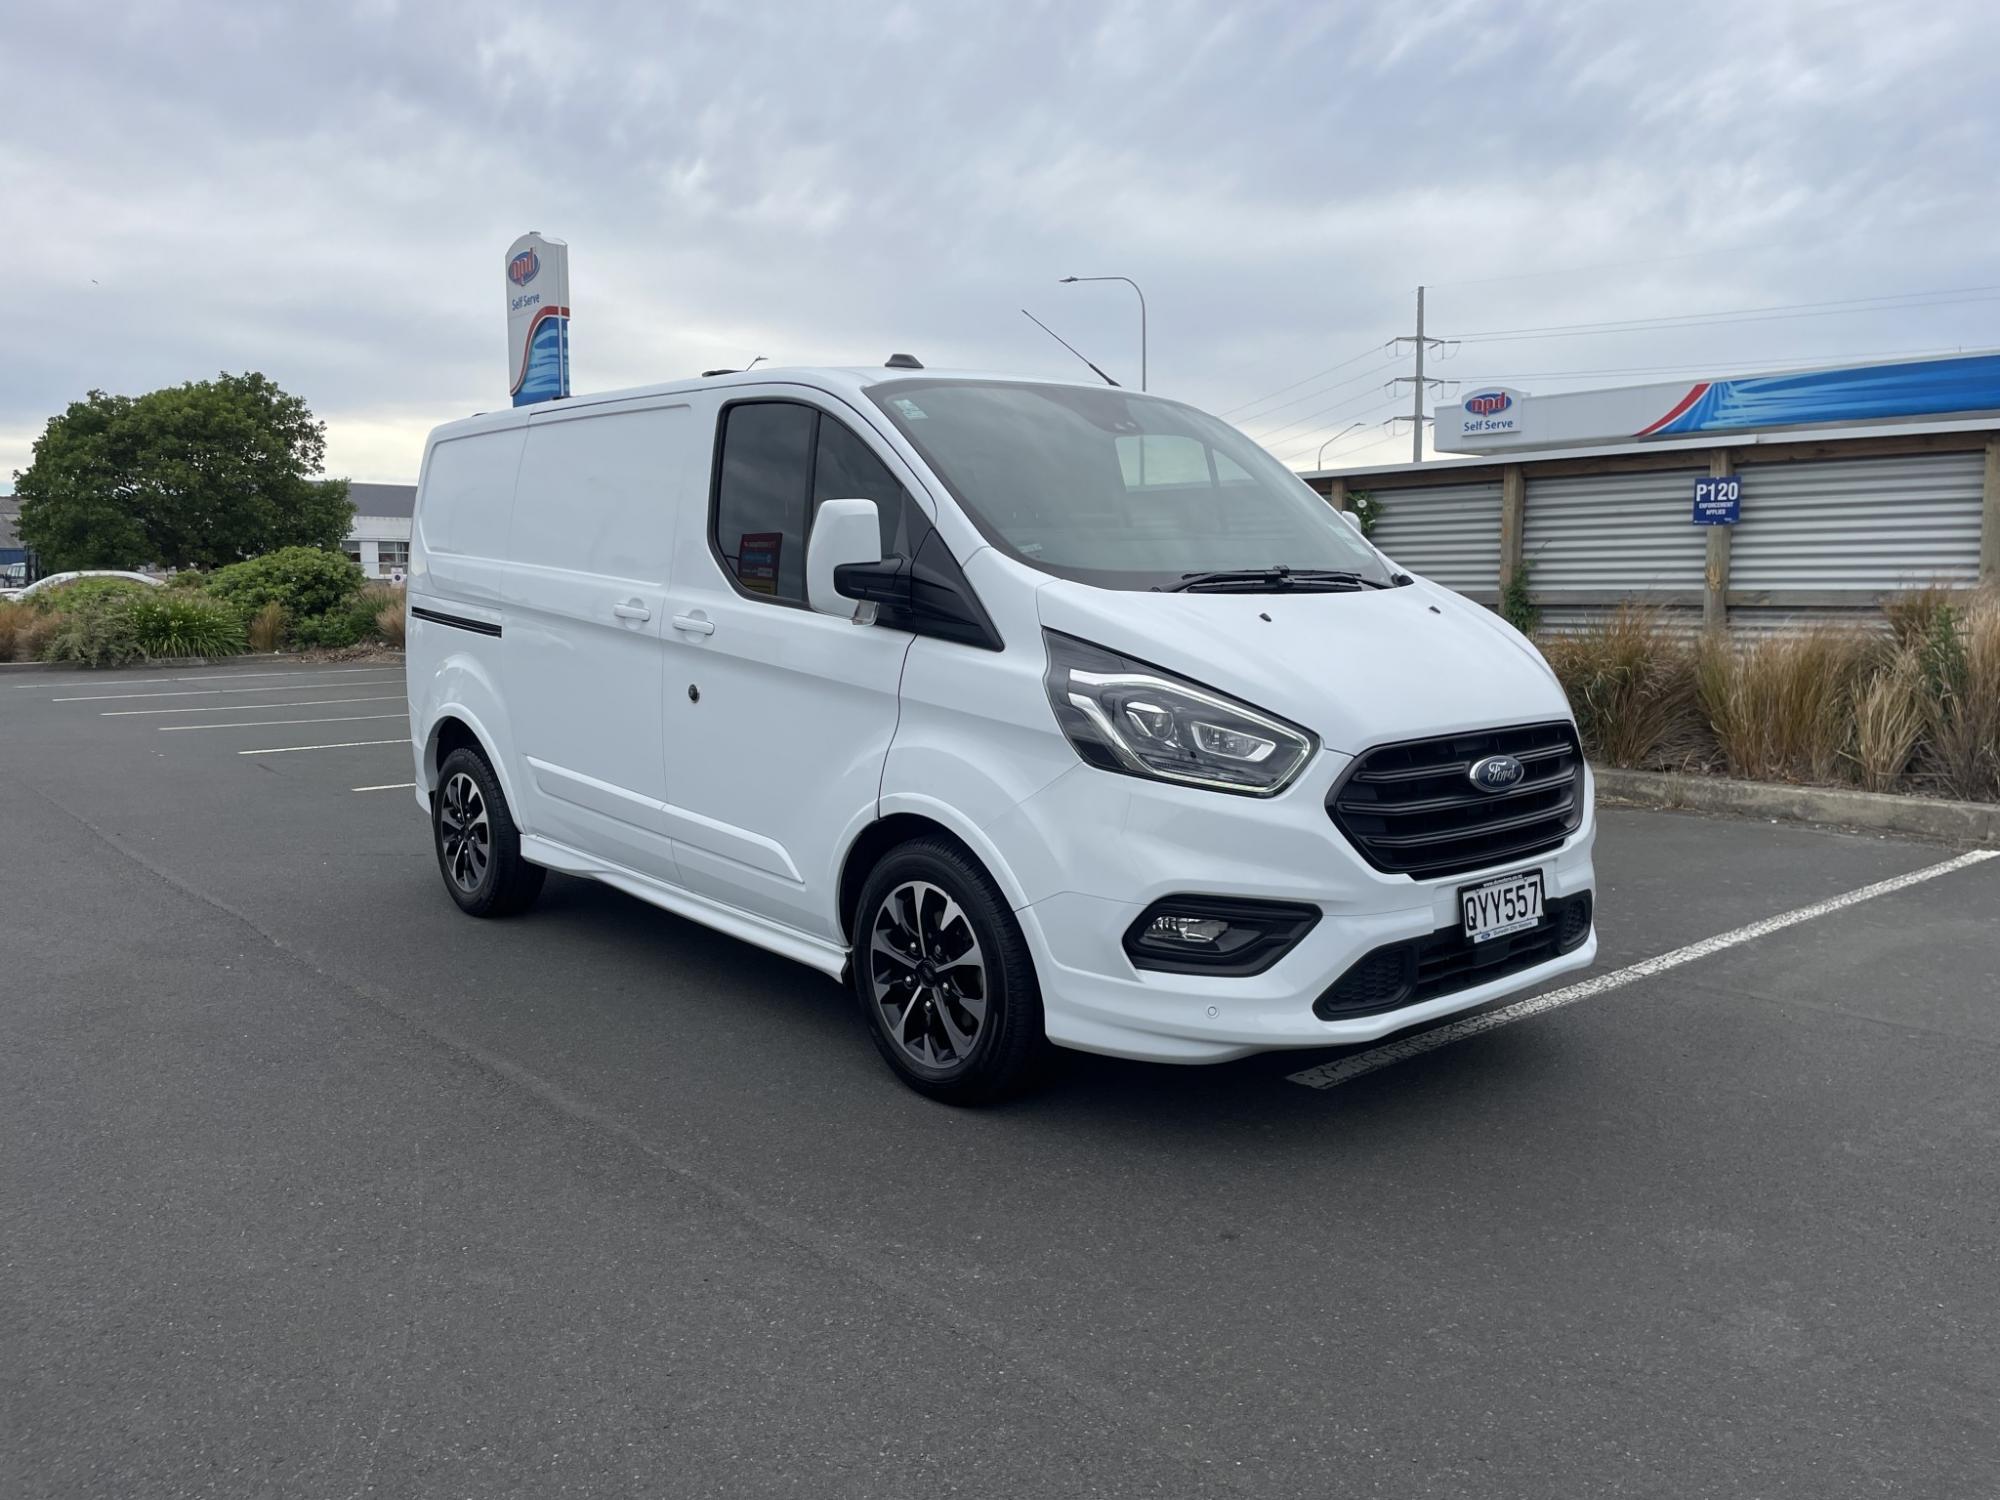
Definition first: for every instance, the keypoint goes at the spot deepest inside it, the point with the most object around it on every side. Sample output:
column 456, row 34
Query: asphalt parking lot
column 312, row 1186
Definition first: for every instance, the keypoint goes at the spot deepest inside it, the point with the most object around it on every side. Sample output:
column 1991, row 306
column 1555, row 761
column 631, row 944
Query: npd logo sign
column 522, row 268
column 1493, row 410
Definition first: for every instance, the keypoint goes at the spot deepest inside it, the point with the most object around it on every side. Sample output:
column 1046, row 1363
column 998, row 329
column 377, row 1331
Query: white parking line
column 309, row 672
column 343, row 745
column 193, row 692
column 1346, row 1069
column 274, row 723
column 226, row 676
column 237, row 708
column 387, row 786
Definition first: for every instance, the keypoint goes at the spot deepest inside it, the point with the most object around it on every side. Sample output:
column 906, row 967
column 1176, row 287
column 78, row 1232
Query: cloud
column 324, row 193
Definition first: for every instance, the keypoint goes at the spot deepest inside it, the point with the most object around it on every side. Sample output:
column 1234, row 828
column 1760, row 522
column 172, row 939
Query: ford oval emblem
column 522, row 268
column 1486, row 403
column 1497, row 773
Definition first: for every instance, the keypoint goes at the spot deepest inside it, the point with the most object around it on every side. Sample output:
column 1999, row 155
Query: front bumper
column 1171, row 840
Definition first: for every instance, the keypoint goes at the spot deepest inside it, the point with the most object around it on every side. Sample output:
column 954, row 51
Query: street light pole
column 1319, row 459
column 1142, row 314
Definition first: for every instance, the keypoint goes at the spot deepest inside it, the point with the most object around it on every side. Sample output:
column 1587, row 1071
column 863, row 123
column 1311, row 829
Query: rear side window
column 468, row 491
column 596, row 492
column 778, row 463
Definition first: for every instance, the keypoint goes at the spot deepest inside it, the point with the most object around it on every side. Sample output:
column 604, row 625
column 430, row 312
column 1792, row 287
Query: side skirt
column 787, row 942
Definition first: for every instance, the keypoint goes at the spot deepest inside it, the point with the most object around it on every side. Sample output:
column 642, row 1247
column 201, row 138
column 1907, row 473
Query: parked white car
column 1040, row 712
column 56, row 580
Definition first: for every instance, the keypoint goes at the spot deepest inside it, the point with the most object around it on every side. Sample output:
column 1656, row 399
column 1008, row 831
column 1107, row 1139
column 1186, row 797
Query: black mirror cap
column 884, row 582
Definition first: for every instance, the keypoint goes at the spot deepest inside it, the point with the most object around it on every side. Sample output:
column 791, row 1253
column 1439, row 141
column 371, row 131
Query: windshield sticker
column 909, row 408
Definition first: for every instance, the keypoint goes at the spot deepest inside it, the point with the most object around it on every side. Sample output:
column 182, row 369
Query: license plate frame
column 1509, row 909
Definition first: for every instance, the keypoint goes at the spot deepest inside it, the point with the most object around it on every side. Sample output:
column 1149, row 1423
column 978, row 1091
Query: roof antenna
column 1067, row 345
column 757, row 361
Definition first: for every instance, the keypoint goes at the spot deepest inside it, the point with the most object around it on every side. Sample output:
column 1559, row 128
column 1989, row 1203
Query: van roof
column 839, row 380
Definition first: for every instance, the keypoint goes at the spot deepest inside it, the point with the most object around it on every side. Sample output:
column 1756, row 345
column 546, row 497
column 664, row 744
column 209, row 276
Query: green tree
column 195, row 475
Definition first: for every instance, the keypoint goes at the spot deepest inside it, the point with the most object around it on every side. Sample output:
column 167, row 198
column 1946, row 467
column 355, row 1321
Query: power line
column 1371, row 349
column 1606, row 265
column 1378, row 432
column 1945, row 297
column 1819, row 357
column 1362, row 401
column 1272, row 411
column 1364, row 411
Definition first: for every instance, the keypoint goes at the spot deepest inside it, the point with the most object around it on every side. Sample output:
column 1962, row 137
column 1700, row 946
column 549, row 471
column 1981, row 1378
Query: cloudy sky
column 324, row 192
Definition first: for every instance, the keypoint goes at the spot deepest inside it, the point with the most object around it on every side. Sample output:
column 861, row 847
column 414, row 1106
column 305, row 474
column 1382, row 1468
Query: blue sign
column 1904, row 388
column 1718, row 502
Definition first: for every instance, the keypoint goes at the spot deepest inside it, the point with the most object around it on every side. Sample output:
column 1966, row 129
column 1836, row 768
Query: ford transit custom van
column 1037, row 713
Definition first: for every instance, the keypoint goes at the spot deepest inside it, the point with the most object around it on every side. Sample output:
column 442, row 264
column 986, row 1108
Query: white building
column 379, row 540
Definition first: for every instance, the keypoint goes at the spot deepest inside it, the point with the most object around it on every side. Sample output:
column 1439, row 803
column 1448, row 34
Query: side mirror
column 844, row 532
column 1350, row 518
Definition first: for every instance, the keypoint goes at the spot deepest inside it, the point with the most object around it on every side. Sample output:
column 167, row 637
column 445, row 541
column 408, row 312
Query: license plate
column 1497, row 907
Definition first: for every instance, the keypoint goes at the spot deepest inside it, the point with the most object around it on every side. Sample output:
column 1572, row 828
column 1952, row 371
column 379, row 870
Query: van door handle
column 632, row 609
column 695, row 624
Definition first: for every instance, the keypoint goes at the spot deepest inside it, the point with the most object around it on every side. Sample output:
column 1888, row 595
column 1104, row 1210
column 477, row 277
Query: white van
column 1040, row 713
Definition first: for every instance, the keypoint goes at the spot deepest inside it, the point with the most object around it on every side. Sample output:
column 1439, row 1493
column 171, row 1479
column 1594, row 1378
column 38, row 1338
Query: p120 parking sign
column 1718, row 502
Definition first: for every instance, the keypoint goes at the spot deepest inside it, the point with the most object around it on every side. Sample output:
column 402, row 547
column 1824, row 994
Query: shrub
column 1959, row 660
column 188, row 578
column 384, row 605
column 1631, row 684
column 1913, row 617
column 390, row 621
column 12, row 616
column 96, row 632
column 267, row 627
column 328, row 631
column 79, row 591
column 1888, row 718
column 1782, row 708
column 1517, row 602
column 179, row 624
column 32, row 634
column 306, row 581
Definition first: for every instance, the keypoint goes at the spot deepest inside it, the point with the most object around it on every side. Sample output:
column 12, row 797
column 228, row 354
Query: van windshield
column 1124, row 490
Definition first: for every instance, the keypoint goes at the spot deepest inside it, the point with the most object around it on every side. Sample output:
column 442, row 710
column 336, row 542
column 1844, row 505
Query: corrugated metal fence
column 1449, row 533
column 1821, row 537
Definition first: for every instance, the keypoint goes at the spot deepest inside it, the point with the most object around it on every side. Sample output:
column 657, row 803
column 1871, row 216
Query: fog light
column 1203, row 930
column 1216, row 934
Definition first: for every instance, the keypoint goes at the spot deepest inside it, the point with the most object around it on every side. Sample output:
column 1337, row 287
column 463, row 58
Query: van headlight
column 1123, row 715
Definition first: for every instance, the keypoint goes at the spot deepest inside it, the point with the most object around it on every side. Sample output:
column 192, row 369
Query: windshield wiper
column 1276, row 579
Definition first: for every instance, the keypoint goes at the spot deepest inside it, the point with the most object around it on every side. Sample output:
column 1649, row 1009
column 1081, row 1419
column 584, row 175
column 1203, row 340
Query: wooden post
column 1989, row 518
column 1336, row 492
column 1513, row 521
column 1715, row 584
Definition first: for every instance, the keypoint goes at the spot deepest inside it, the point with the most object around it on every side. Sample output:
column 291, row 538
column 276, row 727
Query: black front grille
column 1412, row 809
column 1419, row 969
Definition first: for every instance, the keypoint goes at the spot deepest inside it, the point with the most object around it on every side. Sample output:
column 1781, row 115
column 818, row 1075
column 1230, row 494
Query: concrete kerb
column 1959, row 823
column 308, row 658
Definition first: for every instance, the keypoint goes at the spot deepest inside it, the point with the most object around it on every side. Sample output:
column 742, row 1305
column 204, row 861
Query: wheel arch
column 892, row 831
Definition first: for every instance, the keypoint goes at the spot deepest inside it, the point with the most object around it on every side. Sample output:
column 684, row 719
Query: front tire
column 945, row 981
column 478, row 846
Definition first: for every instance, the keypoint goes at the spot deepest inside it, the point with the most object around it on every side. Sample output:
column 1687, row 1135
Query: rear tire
column 945, row 981
column 478, row 846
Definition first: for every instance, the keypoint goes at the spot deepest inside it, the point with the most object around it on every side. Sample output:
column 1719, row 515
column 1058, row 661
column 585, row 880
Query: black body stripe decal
column 456, row 622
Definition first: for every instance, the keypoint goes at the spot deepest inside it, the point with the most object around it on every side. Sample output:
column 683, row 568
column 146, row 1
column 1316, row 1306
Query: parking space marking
column 237, row 708
column 192, row 692
column 387, row 786
column 342, row 745
column 1346, row 1069
column 274, row 723
column 237, row 676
